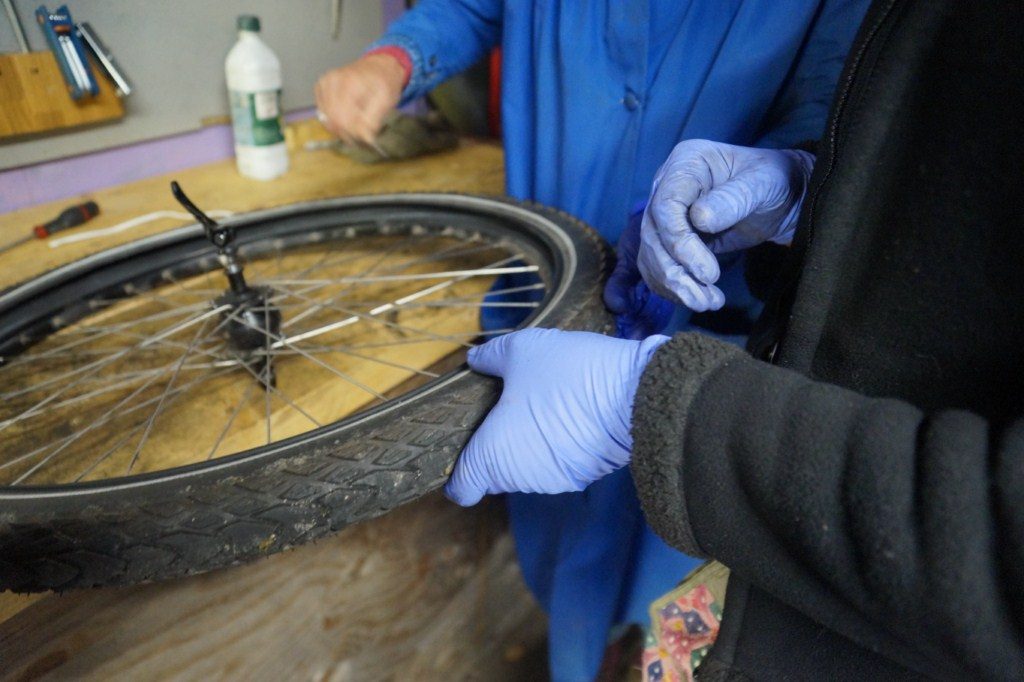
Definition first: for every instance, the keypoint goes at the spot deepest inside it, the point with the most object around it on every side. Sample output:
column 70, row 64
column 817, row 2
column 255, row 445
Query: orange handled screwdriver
column 69, row 217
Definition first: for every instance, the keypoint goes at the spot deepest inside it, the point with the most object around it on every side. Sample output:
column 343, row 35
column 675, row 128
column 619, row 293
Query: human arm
column 443, row 38
column 834, row 502
column 439, row 39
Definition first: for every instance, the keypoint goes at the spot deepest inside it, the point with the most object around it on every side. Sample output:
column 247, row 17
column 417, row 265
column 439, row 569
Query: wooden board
column 35, row 97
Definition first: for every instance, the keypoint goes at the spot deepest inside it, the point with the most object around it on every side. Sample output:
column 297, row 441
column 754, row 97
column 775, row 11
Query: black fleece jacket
column 868, row 488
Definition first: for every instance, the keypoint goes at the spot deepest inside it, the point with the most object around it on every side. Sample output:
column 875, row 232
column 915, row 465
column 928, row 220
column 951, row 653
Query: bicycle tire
column 233, row 510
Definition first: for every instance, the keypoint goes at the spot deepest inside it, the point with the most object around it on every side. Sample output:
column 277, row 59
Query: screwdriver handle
column 69, row 217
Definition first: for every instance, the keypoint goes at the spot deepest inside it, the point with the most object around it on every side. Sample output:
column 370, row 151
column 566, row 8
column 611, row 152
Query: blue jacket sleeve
column 800, row 111
column 443, row 37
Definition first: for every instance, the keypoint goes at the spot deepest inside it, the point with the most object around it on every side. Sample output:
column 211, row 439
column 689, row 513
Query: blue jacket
column 595, row 94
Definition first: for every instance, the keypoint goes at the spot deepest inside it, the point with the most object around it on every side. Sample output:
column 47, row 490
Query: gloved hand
column 563, row 418
column 710, row 198
column 638, row 311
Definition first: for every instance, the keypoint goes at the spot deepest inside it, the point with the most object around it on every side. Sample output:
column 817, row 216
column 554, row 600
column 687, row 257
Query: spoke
column 127, row 436
column 92, row 368
column 231, row 420
column 478, row 272
column 167, row 389
column 112, row 414
column 468, row 299
column 93, row 352
column 368, row 270
column 162, row 297
column 354, row 317
column 457, row 251
column 516, row 290
column 453, row 337
column 469, row 304
column 349, row 257
column 117, row 446
column 159, row 315
column 318, row 361
column 162, row 343
column 460, row 250
column 278, row 392
column 29, row 357
column 67, row 440
column 144, row 296
column 135, row 376
column 150, row 340
column 268, row 367
column 419, row 294
column 188, row 285
column 402, row 342
column 389, row 363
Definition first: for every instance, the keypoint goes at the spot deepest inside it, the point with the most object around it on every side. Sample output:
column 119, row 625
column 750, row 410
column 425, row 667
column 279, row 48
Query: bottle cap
column 249, row 22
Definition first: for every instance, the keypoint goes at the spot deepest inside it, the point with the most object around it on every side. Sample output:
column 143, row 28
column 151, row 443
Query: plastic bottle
column 254, row 87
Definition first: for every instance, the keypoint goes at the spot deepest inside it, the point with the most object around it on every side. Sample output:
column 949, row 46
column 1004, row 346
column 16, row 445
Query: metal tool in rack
column 335, row 19
column 67, row 47
column 19, row 32
column 105, row 58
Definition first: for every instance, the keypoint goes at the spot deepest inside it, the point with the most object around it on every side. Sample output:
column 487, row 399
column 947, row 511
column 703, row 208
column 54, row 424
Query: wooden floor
column 429, row 591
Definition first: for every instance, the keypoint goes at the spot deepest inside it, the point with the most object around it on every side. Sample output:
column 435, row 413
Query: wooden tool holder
column 34, row 98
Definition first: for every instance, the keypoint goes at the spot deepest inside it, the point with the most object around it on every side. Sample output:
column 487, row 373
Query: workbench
column 428, row 591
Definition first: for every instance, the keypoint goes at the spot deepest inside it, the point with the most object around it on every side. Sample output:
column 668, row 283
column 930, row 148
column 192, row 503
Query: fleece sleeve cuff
column 670, row 384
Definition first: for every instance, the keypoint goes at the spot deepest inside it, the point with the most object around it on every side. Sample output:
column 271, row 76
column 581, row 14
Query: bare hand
column 356, row 98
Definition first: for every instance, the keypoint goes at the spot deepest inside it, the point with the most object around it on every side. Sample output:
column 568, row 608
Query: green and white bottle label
column 256, row 118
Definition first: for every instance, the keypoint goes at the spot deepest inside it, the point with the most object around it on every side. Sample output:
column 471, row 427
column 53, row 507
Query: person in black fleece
column 861, row 471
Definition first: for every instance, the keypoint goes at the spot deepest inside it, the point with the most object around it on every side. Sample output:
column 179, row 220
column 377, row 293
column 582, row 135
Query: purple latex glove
column 563, row 418
column 638, row 311
column 710, row 198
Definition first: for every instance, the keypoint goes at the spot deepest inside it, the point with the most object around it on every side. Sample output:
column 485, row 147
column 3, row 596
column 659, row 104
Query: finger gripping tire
column 234, row 509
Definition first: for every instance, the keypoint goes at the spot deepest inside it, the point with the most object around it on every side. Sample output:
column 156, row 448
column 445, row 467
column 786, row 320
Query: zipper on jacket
column 787, row 291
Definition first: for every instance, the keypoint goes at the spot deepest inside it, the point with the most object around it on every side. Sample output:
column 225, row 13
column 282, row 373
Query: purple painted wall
column 75, row 175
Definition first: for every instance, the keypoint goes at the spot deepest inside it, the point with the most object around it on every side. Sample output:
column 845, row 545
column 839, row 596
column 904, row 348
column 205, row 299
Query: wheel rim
column 114, row 387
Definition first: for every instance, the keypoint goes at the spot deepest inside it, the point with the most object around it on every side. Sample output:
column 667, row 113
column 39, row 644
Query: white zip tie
column 129, row 224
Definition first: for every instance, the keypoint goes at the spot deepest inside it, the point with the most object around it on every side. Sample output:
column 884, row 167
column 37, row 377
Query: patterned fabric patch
column 684, row 624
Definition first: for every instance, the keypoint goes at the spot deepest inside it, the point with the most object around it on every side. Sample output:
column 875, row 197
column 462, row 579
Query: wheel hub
column 251, row 322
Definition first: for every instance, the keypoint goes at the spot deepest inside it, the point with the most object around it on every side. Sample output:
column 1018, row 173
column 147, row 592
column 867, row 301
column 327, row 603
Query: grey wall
column 174, row 54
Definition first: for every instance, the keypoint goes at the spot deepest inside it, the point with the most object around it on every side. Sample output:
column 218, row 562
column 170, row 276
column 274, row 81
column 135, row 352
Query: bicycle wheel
column 158, row 419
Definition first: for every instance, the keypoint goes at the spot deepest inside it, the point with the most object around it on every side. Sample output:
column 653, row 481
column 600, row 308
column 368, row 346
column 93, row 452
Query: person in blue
column 595, row 96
